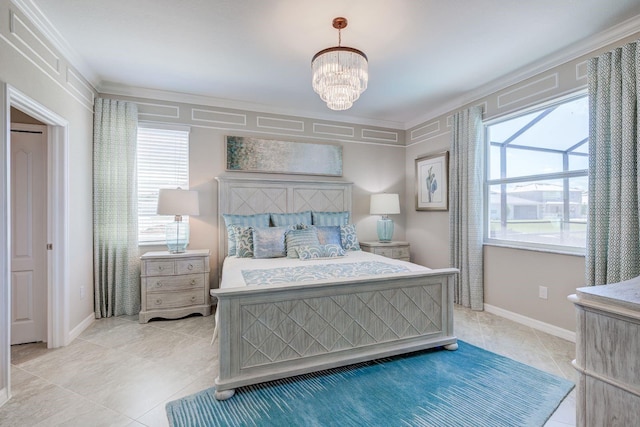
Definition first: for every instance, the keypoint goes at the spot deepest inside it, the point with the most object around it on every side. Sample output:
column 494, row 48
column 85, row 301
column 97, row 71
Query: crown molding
column 583, row 47
column 118, row 89
column 42, row 24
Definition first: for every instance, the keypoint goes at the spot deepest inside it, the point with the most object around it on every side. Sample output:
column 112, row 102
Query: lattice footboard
column 266, row 333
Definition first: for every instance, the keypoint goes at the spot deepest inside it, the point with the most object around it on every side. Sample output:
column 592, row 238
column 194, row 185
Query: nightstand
column 174, row 285
column 395, row 250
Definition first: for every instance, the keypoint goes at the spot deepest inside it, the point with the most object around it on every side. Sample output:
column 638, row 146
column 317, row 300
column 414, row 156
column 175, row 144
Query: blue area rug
column 467, row 387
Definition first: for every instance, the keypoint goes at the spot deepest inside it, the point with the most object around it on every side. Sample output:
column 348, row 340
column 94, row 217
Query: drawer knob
column 190, row 267
column 193, row 282
column 160, row 267
column 159, row 284
column 193, row 298
column 158, row 301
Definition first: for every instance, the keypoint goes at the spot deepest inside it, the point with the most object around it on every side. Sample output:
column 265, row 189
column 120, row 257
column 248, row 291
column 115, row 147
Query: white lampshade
column 384, row 204
column 178, row 202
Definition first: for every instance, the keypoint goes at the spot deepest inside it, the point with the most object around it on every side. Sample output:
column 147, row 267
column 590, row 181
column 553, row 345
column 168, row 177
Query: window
column 163, row 162
column 536, row 188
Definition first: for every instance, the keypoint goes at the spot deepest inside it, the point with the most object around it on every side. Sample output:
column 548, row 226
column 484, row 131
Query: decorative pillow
column 320, row 251
column 244, row 241
column 304, row 237
column 349, row 238
column 269, row 242
column 329, row 235
column 330, row 218
column 257, row 220
column 284, row 219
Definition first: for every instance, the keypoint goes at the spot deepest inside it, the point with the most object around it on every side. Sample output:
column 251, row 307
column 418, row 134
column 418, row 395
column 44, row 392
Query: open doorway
column 57, row 226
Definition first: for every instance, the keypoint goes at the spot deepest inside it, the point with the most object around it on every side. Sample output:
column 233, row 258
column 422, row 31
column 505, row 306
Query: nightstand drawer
column 398, row 253
column 386, row 252
column 174, row 283
column 175, row 299
column 158, row 268
column 189, row 266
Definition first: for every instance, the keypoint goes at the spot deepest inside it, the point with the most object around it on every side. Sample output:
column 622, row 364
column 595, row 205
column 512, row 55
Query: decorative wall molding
column 379, row 135
column 426, row 130
column 24, row 37
column 333, row 130
column 280, row 124
column 530, row 90
column 218, row 117
column 581, row 70
column 158, row 110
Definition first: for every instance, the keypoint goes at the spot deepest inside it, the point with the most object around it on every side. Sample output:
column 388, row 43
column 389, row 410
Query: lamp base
column 385, row 230
column 177, row 234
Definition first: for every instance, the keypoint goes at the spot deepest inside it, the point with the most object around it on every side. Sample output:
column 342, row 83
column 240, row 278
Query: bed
column 274, row 328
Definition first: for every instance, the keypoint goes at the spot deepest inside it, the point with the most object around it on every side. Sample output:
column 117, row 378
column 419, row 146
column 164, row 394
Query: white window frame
column 171, row 183
column 488, row 183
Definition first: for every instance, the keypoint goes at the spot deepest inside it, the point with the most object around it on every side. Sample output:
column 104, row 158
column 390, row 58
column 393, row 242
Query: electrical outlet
column 82, row 292
column 542, row 292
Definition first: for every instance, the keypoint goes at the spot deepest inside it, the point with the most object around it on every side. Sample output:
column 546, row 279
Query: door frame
column 57, row 226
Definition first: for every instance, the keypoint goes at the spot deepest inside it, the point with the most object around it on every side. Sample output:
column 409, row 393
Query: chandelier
column 340, row 74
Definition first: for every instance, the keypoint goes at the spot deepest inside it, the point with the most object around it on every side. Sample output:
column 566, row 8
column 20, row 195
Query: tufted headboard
column 247, row 196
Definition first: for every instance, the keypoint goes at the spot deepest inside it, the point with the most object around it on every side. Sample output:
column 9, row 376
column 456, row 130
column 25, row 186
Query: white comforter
column 233, row 266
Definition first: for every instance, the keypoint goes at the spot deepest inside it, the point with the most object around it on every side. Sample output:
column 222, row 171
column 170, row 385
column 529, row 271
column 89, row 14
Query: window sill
column 558, row 251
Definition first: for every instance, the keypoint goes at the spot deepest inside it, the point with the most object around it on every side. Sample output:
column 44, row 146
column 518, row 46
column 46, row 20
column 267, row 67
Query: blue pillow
column 269, row 242
column 320, row 251
column 329, row 235
column 349, row 238
column 257, row 220
column 330, row 218
column 284, row 219
column 304, row 237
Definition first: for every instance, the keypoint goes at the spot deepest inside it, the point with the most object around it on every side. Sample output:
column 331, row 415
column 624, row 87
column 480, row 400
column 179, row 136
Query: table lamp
column 385, row 204
column 177, row 202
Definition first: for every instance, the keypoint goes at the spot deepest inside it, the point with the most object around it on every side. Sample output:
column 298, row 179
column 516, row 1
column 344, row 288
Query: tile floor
column 122, row 373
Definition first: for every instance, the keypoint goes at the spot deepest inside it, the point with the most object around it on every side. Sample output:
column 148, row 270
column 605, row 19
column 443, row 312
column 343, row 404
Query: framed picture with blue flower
column 432, row 182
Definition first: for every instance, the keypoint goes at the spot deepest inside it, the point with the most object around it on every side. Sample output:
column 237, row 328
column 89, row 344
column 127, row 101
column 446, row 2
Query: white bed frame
column 271, row 332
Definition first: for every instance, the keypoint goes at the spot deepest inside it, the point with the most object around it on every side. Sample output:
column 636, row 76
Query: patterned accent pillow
column 244, row 241
column 269, row 242
column 304, row 237
column 257, row 220
column 284, row 219
column 349, row 238
column 320, row 251
column 329, row 235
column 330, row 218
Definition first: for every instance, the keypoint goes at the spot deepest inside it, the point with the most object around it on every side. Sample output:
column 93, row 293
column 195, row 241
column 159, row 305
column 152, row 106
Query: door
column 28, row 233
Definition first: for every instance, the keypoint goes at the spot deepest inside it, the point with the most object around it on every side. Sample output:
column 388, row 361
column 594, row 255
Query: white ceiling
column 256, row 53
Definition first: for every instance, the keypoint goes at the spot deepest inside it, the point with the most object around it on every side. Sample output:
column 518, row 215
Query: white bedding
column 233, row 266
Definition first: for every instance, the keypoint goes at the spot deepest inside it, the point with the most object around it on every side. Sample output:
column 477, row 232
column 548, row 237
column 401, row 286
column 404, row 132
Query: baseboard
column 533, row 323
column 75, row 332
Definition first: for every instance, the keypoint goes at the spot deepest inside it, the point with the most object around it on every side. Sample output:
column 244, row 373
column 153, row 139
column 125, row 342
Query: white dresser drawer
column 400, row 253
column 386, row 252
column 159, row 268
column 174, row 299
column 174, row 283
column 189, row 266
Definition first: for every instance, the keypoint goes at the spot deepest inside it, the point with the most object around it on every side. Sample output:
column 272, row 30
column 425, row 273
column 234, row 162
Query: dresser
column 174, row 285
column 395, row 250
column 608, row 354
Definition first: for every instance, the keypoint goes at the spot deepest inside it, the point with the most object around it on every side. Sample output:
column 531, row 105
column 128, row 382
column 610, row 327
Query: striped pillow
column 285, row 219
column 304, row 237
column 330, row 218
column 257, row 220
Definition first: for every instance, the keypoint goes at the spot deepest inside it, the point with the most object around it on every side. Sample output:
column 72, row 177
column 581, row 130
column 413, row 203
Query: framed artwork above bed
column 249, row 154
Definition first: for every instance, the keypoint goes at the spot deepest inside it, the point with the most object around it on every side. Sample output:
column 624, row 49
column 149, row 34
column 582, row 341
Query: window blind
column 163, row 162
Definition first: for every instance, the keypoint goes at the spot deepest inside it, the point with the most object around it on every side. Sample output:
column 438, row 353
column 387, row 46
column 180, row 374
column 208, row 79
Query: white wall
column 511, row 276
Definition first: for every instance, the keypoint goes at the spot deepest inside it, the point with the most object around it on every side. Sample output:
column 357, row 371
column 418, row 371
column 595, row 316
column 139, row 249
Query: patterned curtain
column 613, row 234
column 465, row 212
column 116, row 264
